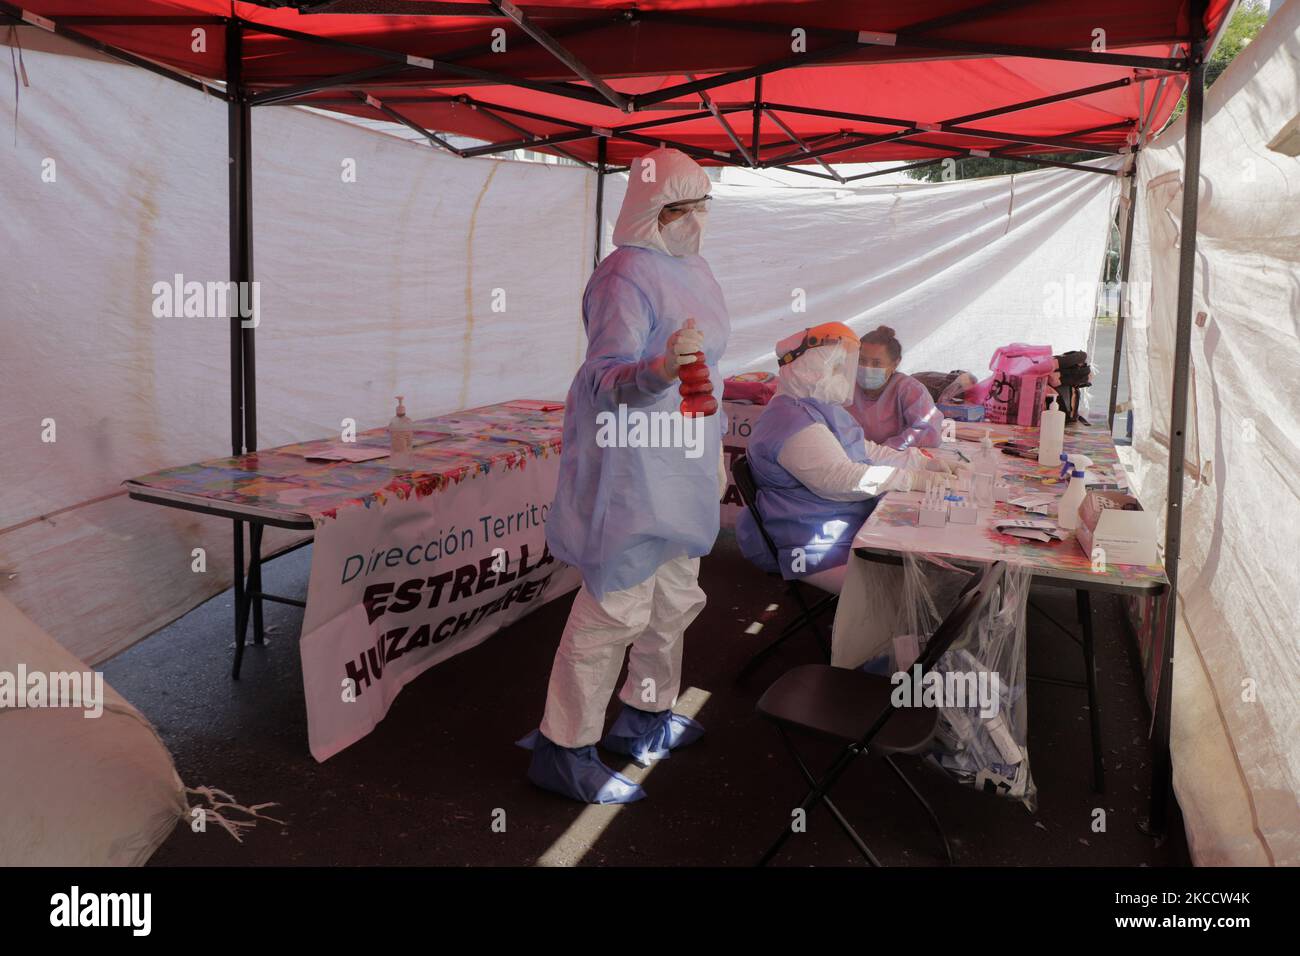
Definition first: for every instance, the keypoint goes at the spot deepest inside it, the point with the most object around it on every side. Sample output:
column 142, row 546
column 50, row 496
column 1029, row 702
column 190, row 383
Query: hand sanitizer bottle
column 988, row 461
column 400, row 433
column 1051, row 433
column 1067, row 511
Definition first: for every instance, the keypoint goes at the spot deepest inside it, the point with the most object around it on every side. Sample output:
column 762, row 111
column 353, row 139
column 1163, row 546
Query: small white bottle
column 985, row 467
column 989, row 460
column 1067, row 512
column 400, row 433
column 1051, row 433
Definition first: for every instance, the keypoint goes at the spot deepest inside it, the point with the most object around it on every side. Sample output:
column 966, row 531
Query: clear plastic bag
column 978, row 684
column 922, row 592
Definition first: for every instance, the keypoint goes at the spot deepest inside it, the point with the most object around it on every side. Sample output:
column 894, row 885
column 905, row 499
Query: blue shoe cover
column 879, row 666
column 576, row 773
column 647, row 737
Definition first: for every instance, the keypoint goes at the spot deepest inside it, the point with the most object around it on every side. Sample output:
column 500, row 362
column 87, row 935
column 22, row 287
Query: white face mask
column 682, row 237
column 872, row 378
column 833, row 382
column 837, row 388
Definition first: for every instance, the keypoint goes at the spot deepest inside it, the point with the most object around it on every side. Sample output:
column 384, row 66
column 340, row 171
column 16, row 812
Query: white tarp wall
column 386, row 285
column 368, row 289
column 956, row 269
column 1236, row 705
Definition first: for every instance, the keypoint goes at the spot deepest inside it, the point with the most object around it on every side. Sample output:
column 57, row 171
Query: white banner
column 740, row 422
column 400, row 586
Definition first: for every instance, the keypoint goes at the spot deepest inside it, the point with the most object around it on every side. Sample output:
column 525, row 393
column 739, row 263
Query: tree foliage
column 1244, row 26
column 975, row 167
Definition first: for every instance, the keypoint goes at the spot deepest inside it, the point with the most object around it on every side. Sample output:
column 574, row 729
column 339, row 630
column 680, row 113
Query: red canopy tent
column 786, row 84
column 728, row 81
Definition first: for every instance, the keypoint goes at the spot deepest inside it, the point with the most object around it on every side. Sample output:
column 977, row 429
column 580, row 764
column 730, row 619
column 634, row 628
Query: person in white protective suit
column 635, row 519
column 818, row 478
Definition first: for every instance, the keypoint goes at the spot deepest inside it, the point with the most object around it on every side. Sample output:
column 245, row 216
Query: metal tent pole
column 601, row 149
column 1162, row 763
column 234, row 136
column 458, row 71
column 245, row 270
column 250, row 363
column 560, row 52
column 243, row 411
column 9, row 13
column 1125, row 258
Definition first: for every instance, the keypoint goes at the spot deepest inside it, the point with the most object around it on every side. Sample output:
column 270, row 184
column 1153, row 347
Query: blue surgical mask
column 871, row 378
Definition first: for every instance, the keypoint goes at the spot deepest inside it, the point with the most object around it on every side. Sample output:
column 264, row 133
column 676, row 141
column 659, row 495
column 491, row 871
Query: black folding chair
column 854, row 708
column 809, row 614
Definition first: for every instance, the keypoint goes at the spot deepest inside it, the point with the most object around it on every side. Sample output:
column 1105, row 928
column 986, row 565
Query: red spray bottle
column 696, row 389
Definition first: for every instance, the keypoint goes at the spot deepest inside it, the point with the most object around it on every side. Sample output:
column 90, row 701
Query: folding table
column 893, row 528
column 286, row 487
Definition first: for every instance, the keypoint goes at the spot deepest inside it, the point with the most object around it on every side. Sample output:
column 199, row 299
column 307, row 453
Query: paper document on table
column 1031, row 528
column 530, row 404
column 1041, row 503
column 975, row 431
column 347, row 451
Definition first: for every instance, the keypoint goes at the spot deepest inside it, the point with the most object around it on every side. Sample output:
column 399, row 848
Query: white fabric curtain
column 369, row 289
column 956, row 269
column 1236, row 705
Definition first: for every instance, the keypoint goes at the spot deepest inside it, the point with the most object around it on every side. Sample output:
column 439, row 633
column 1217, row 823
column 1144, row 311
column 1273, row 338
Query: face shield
column 826, row 373
column 819, row 363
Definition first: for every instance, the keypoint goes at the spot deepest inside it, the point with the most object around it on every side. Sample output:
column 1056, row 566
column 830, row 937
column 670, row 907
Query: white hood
column 674, row 177
column 825, row 373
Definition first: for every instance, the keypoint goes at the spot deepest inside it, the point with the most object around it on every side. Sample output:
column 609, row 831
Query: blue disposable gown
column 794, row 515
column 903, row 416
column 620, row 512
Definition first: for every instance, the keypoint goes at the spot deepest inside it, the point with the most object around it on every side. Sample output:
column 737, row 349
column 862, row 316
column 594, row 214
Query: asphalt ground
column 428, row 785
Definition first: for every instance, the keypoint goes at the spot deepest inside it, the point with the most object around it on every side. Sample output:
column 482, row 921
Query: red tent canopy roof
column 861, row 80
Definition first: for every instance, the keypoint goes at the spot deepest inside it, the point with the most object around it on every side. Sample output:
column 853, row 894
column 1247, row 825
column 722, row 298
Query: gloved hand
column 919, row 461
column 963, row 478
column 918, row 479
column 681, row 348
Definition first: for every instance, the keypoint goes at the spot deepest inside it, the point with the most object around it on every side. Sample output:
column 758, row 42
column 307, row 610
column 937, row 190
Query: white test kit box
column 1125, row 537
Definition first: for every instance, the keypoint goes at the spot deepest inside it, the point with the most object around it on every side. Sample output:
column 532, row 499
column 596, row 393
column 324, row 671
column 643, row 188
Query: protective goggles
column 689, row 205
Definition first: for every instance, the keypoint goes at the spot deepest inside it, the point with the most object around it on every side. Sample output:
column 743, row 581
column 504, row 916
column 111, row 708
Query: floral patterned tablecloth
column 893, row 525
column 283, row 484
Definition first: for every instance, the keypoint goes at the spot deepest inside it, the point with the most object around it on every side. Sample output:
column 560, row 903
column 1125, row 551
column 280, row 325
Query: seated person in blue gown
column 817, row 477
